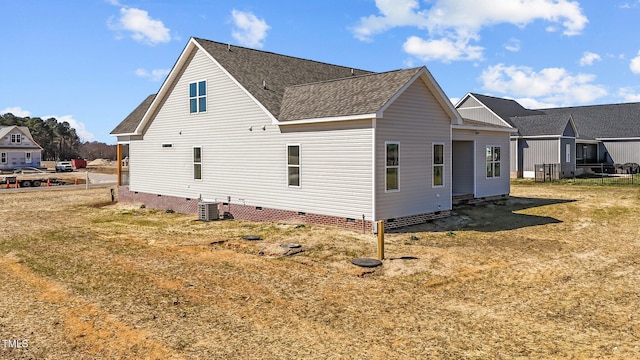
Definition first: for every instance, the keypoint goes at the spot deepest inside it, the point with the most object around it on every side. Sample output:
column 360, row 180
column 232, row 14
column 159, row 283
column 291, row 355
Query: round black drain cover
column 366, row 262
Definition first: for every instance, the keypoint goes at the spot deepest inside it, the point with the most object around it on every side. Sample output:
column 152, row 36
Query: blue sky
column 91, row 62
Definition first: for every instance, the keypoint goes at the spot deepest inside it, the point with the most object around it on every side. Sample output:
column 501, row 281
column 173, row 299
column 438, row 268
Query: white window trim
column 433, row 165
column 386, row 190
column 197, row 97
column 492, row 162
column 193, row 162
column 28, row 158
column 299, row 166
column 16, row 138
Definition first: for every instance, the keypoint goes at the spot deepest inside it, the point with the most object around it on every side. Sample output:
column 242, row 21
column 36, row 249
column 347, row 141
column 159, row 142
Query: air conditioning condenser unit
column 208, row 211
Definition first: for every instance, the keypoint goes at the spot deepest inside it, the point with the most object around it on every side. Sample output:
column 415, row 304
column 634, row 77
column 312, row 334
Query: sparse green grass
column 550, row 273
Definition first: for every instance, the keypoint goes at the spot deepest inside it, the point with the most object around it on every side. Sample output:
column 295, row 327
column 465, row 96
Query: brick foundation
column 255, row 213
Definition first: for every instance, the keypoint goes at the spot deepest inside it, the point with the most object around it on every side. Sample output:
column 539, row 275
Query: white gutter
column 483, row 128
column 327, row 119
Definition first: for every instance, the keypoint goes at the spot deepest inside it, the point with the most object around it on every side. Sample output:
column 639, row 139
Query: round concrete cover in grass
column 251, row 237
column 290, row 246
column 366, row 262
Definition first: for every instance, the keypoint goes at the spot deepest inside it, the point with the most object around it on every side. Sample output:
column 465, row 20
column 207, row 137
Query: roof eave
column 637, row 138
column 328, row 119
column 484, row 128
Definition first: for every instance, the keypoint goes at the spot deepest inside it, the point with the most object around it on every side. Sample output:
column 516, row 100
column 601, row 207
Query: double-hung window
column 198, row 97
column 293, row 165
column 438, row 165
column 16, row 138
column 27, row 158
column 197, row 163
column 493, row 161
column 3, row 158
column 392, row 166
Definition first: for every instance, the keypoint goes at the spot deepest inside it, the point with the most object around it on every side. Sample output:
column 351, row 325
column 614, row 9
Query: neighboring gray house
column 564, row 136
column 273, row 137
column 17, row 148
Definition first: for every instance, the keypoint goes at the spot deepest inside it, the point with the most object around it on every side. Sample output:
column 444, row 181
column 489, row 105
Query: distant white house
column 17, row 148
column 272, row 137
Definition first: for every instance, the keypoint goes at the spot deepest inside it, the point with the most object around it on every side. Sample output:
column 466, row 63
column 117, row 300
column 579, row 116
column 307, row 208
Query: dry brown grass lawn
column 550, row 273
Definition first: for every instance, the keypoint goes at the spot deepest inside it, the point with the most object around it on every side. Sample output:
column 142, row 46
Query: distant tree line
column 59, row 140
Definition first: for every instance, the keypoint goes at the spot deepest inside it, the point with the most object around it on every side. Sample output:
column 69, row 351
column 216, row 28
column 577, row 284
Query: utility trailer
column 28, row 180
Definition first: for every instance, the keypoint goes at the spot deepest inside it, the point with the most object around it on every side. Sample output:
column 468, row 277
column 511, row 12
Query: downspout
column 373, row 173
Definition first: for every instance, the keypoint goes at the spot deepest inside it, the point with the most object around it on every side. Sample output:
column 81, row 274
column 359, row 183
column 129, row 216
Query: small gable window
column 493, row 161
column 198, row 97
column 16, row 138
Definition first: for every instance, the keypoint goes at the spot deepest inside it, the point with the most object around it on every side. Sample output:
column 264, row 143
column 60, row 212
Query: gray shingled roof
column 251, row 67
column 130, row 123
column 540, row 125
column 482, row 124
column 591, row 122
column 355, row 95
column 505, row 108
column 604, row 121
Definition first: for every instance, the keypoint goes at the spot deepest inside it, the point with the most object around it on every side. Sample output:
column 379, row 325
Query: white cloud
column 512, row 45
column 552, row 85
column 629, row 95
column 530, row 103
column 446, row 50
column 249, row 31
column 634, row 65
column 141, row 26
column 588, row 58
column 394, row 13
column 16, row 111
column 153, row 75
column 459, row 22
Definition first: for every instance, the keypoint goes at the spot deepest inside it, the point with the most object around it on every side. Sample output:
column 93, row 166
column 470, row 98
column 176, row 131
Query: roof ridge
column 590, row 106
column 278, row 54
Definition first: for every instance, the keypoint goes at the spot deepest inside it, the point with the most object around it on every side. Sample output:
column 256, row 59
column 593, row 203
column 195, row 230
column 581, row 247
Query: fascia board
column 484, row 128
column 328, row 119
column 488, row 109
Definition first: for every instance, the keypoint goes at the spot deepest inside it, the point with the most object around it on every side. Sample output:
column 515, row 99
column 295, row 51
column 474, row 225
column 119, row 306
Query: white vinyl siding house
column 470, row 162
column 249, row 166
column 283, row 137
column 418, row 110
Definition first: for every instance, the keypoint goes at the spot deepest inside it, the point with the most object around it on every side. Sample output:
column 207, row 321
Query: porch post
column 119, row 157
